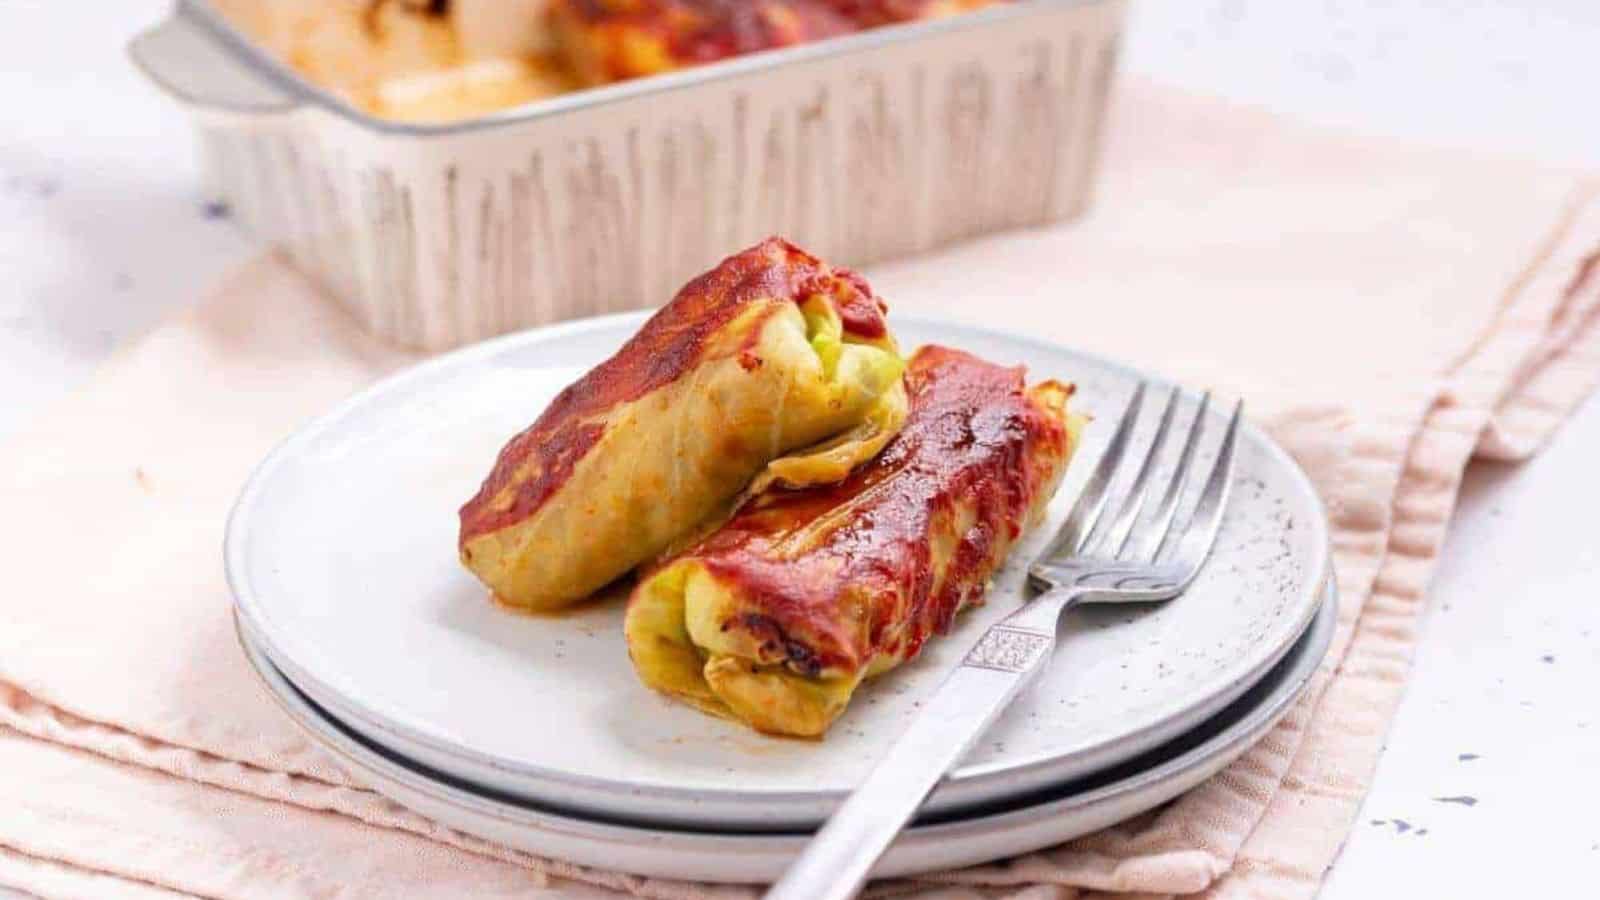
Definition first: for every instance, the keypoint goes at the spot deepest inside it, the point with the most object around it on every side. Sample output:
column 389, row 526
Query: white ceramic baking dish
column 859, row 148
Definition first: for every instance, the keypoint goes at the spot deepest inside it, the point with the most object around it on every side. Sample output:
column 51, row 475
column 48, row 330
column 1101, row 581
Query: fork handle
column 836, row 862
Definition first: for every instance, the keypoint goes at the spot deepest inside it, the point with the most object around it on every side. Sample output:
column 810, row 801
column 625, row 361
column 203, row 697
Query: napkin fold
column 1389, row 312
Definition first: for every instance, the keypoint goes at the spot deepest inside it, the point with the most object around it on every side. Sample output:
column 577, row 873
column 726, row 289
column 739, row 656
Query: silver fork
column 1091, row 560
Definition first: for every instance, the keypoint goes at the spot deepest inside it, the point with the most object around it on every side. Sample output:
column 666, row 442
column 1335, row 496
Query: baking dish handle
column 188, row 62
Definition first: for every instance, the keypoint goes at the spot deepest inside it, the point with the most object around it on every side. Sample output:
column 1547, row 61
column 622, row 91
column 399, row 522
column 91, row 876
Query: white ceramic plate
column 1043, row 820
column 341, row 555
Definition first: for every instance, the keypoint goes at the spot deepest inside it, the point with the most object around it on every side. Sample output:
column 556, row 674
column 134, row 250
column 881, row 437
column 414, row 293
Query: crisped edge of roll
column 1053, row 396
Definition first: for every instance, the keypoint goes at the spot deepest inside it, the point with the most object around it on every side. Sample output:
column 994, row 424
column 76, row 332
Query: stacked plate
column 534, row 732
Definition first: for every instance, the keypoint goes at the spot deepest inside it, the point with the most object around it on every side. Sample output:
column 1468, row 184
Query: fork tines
column 1088, row 533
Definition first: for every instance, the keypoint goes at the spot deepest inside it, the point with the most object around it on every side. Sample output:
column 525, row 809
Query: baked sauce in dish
column 674, row 340
column 446, row 60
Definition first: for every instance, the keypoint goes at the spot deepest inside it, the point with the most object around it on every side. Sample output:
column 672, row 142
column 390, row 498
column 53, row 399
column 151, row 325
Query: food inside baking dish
column 776, row 617
column 612, row 40
column 444, row 60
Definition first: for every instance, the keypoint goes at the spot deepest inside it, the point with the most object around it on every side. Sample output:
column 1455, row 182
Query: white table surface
column 101, row 234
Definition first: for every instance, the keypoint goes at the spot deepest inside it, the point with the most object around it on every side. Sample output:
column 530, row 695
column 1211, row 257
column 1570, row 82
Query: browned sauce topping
column 864, row 582
column 700, row 31
column 667, row 346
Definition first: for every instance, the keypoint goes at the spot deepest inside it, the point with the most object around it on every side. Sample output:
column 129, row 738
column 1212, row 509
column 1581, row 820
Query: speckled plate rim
column 1048, row 819
column 967, row 787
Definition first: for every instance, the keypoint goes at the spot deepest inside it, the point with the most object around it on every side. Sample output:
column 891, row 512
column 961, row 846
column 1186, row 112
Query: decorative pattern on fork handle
column 1008, row 649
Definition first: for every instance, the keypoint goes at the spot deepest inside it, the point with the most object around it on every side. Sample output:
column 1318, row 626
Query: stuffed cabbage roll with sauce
column 776, row 617
column 771, row 367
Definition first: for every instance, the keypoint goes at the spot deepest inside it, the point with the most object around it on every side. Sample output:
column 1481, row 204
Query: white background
column 101, row 234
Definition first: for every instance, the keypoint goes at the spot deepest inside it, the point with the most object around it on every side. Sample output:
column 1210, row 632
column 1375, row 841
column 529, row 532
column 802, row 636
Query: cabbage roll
column 776, row 617
column 772, row 367
column 612, row 40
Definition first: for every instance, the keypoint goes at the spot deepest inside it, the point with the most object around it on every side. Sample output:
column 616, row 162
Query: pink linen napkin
column 1389, row 311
